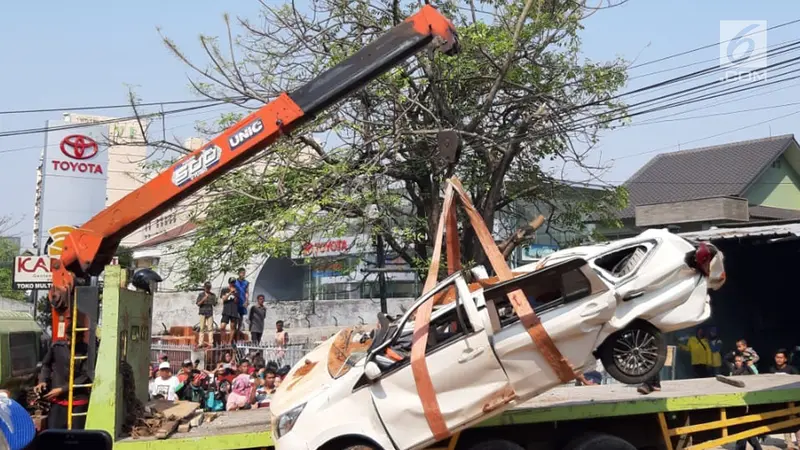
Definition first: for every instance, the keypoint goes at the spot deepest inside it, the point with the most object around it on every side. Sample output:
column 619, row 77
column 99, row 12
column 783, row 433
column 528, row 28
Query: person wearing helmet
column 230, row 311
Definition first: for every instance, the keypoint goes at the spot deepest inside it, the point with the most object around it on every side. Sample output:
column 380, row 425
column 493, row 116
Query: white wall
column 303, row 319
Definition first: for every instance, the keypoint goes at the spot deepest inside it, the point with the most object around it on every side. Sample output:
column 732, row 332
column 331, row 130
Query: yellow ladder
column 72, row 359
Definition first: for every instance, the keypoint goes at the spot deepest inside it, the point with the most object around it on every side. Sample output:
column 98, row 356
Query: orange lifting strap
column 519, row 302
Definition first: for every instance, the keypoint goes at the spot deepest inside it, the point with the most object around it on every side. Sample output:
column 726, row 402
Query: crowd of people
column 235, row 298
column 230, row 386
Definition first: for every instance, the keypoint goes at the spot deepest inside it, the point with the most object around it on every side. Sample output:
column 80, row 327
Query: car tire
column 599, row 441
column 360, row 447
column 646, row 346
column 496, row 444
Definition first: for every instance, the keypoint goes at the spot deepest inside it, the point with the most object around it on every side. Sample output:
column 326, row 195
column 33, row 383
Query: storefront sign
column 78, row 149
column 31, row 272
column 55, row 242
column 74, row 175
column 334, row 246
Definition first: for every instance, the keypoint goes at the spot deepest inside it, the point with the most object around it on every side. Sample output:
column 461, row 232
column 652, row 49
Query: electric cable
column 119, row 106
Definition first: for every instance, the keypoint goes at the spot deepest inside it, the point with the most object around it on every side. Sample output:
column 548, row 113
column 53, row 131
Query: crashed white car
column 610, row 301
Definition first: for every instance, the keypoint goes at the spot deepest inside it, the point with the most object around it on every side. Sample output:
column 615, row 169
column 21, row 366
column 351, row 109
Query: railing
column 209, row 358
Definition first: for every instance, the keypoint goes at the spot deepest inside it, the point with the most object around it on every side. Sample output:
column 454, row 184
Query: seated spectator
column 165, row 386
column 782, row 363
column 739, row 366
column 186, row 371
column 193, row 391
column 242, row 393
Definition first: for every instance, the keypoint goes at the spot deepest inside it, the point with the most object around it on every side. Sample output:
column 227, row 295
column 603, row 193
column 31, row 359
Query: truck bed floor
column 570, row 402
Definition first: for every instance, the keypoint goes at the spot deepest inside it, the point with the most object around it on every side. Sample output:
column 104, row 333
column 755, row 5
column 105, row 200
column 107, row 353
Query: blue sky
column 63, row 54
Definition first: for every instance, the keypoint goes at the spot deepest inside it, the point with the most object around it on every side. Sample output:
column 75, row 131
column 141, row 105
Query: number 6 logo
column 743, row 37
column 743, row 43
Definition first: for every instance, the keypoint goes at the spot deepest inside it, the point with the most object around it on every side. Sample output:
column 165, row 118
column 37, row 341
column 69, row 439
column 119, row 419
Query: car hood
column 314, row 374
column 306, row 379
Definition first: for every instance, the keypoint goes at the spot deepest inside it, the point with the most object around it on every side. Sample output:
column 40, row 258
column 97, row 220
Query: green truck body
column 126, row 336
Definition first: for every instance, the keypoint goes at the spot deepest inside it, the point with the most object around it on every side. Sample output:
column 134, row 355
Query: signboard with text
column 346, row 245
column 31, row 272
column 74, row 177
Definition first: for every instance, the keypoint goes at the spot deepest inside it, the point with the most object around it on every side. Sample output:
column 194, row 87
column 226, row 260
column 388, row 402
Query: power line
column 105, row 122
column 128, row 105
column 697, row 49
column 708, row 137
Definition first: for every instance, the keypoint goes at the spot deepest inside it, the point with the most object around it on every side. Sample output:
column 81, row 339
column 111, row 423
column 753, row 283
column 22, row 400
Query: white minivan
column 610, row 301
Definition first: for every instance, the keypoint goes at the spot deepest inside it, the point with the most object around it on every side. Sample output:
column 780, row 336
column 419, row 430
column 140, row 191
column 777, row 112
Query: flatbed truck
column 710, row 412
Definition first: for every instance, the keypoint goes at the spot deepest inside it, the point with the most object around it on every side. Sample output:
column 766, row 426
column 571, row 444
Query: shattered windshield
column 350, row 362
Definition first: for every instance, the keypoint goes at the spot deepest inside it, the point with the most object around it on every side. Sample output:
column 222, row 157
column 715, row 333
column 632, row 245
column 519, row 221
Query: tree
column 526, row 106
column 8, row 251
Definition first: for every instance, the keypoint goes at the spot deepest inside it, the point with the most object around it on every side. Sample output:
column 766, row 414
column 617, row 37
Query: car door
column 467, row 376
column 573, row 304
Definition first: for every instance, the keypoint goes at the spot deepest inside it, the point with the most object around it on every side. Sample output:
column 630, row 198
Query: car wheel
column 497, row 444
column 635, row 354
column 599, row 441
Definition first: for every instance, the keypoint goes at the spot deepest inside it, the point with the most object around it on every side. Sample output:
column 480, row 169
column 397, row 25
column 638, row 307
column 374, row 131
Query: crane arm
column 88, row 249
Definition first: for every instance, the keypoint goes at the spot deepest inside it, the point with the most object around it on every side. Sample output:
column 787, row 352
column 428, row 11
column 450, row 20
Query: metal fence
column 209, row 358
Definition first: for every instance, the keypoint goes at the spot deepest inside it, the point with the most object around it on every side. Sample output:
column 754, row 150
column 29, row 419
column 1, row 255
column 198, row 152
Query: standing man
column 715, row 343
column 258, row 313
column 281, row 340
column 230, row 312
column 700, row 351
column 242, row 288
column 55, row 376
column 206, row 301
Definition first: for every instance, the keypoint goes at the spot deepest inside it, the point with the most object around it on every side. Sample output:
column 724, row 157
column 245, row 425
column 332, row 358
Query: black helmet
column 143, row 277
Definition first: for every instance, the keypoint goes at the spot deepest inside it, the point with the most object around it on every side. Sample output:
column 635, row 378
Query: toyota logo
column 77, row 146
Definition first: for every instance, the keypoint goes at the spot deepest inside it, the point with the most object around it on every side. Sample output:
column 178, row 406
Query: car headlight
column 286, row 421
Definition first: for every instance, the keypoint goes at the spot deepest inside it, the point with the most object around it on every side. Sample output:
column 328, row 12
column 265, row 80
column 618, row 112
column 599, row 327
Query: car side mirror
column 372, row 371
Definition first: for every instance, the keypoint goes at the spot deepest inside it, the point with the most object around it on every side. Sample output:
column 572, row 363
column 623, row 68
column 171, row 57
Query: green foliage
column 8, row 252
column 524, row 101
column 125, row 256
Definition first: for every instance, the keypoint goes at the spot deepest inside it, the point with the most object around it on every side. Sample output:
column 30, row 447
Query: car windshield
column 349, row 363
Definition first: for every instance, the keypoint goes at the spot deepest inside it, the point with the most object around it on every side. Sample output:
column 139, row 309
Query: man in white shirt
column 165, row 384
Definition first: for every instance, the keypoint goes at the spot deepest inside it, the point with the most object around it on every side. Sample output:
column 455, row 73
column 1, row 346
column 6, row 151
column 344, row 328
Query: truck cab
column 20, row 350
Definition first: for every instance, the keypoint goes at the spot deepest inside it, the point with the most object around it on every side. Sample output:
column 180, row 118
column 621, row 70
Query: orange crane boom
column 88, row 249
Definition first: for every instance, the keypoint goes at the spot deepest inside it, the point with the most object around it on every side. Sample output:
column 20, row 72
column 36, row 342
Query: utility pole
column 380, row 255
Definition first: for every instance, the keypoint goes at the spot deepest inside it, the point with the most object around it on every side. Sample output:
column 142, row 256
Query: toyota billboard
column 74, row 177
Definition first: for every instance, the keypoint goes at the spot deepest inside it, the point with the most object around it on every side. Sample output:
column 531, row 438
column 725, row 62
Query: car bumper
column 291, row 441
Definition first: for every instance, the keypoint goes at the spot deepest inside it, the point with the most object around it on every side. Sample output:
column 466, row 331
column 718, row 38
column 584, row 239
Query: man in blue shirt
column 242, row 288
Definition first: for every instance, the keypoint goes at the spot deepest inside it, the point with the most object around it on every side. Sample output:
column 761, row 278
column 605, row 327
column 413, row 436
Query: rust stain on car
column 301, row 372
column 499, row 399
